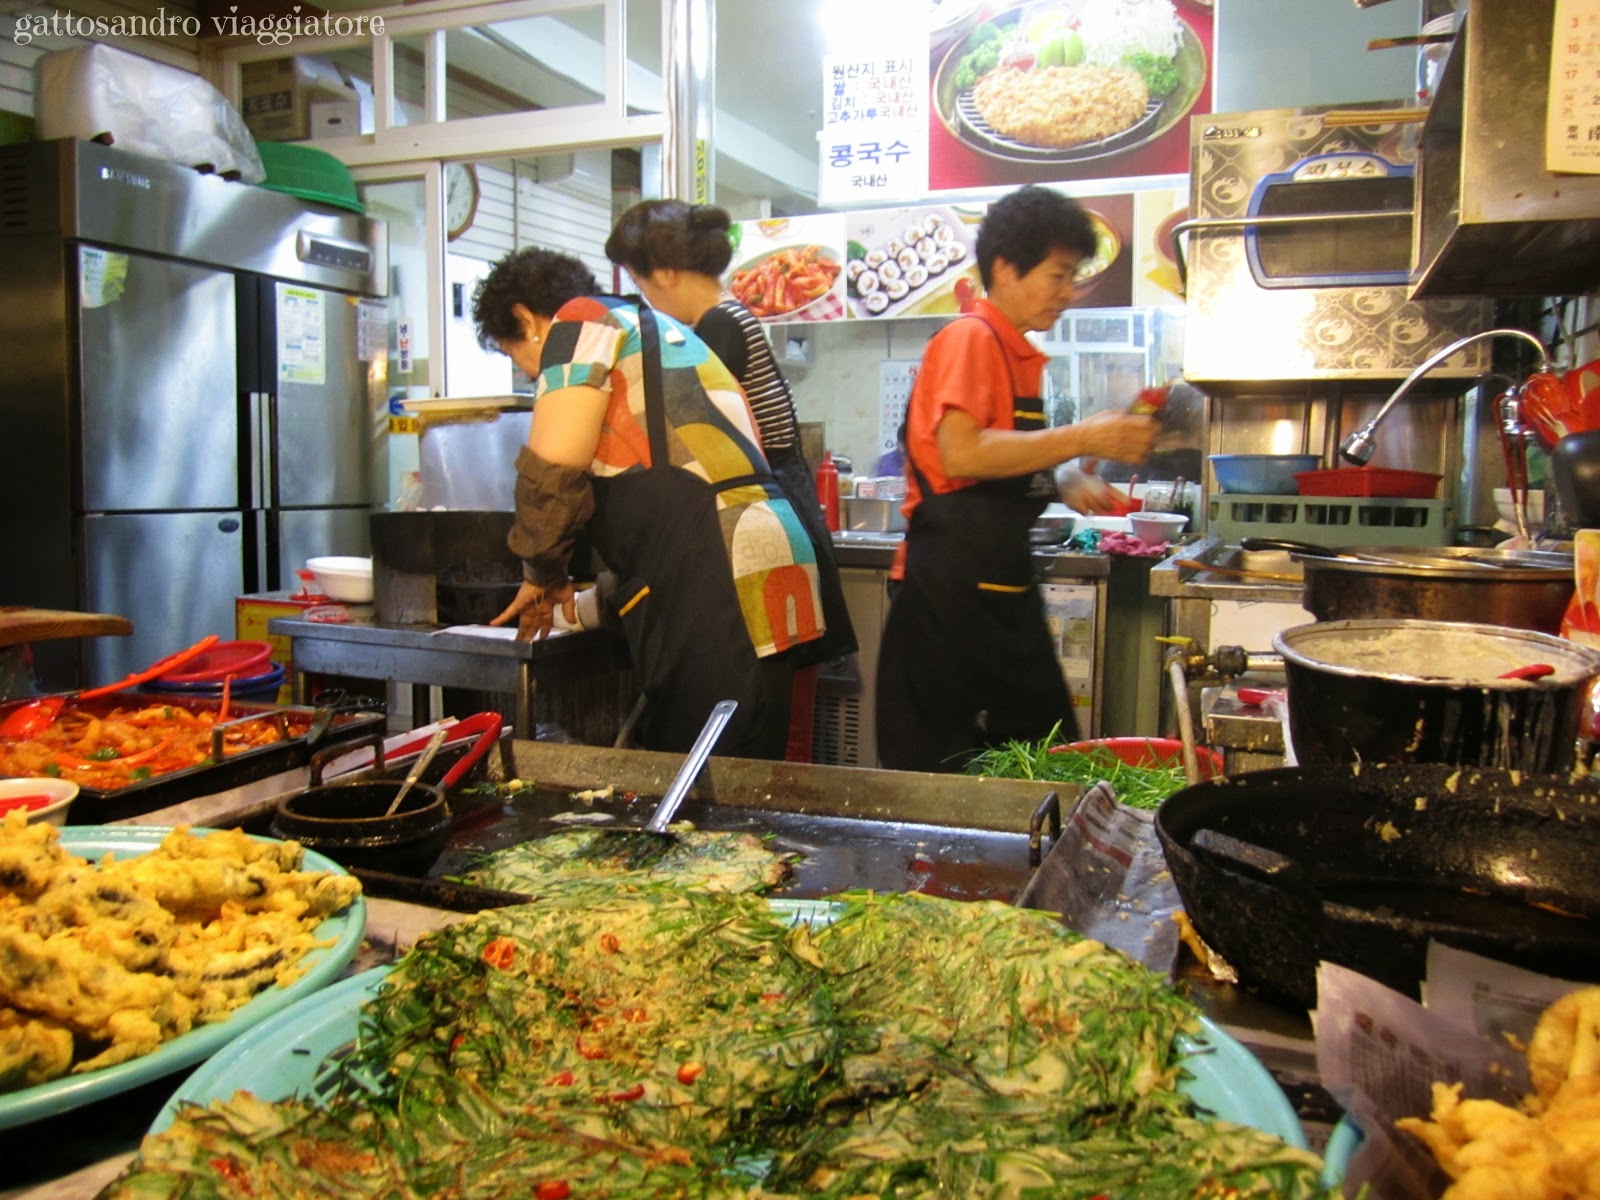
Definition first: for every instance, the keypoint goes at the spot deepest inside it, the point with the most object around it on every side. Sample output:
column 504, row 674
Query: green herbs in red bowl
column 1142, row 771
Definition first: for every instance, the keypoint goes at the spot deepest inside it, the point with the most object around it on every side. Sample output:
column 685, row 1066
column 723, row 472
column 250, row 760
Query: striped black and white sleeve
column 737, row 338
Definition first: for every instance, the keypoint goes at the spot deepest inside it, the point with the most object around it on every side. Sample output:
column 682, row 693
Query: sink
column 1170, row 579
column 1275, row 562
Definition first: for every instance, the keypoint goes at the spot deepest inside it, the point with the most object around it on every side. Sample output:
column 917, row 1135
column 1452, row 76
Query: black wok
column 1362, row 865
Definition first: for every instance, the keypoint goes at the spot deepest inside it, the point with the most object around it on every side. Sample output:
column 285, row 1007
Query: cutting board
column 22, row 624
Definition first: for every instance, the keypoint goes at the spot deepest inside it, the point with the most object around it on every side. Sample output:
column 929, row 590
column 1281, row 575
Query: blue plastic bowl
column 1261, row 474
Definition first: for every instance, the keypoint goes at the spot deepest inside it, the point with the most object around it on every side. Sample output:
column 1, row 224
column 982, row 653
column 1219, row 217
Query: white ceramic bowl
column 1156, row 527
column 342, row 577
column 1508, row 512
column 45, row 798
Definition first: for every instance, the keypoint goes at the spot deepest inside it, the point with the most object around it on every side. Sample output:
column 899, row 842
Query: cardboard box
column 276, row 96
column 250, row 617
column 335, row 118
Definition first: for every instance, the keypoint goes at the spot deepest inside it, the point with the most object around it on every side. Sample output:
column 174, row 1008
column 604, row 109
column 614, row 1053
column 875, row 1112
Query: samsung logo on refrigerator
column 118, row 175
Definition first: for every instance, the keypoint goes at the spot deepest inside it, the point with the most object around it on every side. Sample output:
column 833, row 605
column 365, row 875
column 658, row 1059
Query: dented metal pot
column 1404, row 691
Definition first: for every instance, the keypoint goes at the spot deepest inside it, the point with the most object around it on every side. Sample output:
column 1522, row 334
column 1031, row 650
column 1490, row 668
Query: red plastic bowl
column 1150, row 752
column 221, row 661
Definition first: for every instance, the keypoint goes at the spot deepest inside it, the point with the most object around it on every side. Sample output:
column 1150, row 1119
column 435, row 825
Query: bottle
column 828, row 492
column 1149, row 402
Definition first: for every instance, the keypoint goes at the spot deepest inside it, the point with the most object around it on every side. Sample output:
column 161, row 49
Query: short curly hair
column 1024, row 226
column 669, row 234
column 541, row 280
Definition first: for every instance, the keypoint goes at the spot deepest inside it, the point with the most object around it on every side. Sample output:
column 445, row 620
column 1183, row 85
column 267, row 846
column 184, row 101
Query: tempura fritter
column 105, row 962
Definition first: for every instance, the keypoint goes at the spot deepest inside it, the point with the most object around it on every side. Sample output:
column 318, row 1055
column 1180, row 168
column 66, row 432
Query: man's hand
column 535, row 609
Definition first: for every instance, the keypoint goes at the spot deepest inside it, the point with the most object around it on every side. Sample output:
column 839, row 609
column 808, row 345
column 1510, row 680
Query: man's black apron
column 967, row 659
column 658, row 529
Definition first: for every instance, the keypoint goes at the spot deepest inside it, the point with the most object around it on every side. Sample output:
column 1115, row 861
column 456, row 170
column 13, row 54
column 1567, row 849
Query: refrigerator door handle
column 262, row 476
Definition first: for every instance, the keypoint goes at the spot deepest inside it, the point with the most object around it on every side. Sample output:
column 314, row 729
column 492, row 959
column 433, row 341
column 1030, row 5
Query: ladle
column 721, row 712
column 417, row 769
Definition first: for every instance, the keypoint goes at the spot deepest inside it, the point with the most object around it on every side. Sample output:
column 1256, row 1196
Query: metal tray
column 95, row 806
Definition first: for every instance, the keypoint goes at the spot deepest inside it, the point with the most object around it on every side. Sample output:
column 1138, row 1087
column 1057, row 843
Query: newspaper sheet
column 1380, row 1052
column 1107, row 878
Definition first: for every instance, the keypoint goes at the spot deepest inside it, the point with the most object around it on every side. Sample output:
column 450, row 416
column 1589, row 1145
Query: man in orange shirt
column 967, row 659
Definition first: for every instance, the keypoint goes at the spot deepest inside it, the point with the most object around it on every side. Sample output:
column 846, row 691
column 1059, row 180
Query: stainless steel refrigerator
column 192, row 374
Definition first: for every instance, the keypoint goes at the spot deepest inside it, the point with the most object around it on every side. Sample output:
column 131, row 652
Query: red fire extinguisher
column 828, row 491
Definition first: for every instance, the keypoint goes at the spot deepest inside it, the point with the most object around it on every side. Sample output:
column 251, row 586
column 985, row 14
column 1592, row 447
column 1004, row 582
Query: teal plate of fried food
column 334, row 941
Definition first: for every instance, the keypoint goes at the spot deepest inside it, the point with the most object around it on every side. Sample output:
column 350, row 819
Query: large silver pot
column 1523, row 589
column 1385, row 691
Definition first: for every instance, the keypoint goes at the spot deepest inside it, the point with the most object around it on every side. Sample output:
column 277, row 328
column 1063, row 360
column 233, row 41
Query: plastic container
column 310, row 174
column 255, row 686
column 1150, row 752
column 828, row 492
column 46, row 800
column 1261, row 474
column 236, row 659
column 1369, row 481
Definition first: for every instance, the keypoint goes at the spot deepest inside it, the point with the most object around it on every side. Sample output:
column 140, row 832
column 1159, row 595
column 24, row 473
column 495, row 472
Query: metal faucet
column 1360, row 446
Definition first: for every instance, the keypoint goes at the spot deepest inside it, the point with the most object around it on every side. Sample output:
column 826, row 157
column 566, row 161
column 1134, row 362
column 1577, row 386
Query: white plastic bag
column 145, row 107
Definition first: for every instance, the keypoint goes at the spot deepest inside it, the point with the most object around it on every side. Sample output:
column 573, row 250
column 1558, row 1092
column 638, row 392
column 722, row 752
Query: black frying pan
column 1363, row 864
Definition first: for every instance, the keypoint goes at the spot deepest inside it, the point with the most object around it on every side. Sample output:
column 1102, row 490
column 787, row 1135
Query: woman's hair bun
column 709, row 216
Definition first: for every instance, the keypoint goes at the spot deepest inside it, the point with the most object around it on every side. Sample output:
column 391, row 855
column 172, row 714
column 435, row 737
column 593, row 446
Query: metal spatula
column 684, row 779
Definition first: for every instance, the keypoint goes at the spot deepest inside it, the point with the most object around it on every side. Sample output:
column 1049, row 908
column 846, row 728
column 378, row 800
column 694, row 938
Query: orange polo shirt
column 971, row 368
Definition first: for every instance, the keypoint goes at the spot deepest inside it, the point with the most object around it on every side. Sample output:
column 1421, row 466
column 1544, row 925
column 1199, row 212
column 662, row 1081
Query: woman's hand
column 535, row 609
column 1083, row 491
column 1117, row 436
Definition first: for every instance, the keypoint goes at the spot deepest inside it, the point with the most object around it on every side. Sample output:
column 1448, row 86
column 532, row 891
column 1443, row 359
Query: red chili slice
column 500, row 953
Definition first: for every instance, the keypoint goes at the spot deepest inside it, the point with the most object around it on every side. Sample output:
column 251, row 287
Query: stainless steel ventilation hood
column 1491, row 221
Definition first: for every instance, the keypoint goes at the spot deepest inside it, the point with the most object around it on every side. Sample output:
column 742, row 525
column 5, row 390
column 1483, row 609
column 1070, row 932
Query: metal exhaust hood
column 1491, row 221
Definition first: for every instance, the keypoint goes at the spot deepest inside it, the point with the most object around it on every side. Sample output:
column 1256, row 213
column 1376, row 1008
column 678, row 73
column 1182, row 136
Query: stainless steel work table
column 423, row 656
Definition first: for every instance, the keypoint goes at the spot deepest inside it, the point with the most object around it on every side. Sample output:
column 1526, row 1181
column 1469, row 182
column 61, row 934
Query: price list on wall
column 1572, row 127
column 874, row 140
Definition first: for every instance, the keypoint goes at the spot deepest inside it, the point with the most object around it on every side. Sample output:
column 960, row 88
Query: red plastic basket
column 237, row 659
column 1387, row 482
column 1150, row 752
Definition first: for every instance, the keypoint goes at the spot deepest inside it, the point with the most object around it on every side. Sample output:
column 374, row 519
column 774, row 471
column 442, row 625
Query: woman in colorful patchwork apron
column 641, row 435
column 967, row 659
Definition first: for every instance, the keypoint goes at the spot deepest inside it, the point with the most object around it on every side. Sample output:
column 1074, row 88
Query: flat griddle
column 954, row 836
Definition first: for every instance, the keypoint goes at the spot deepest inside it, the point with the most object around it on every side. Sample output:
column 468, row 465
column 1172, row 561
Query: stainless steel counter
column 877, row 551
column 426, row 656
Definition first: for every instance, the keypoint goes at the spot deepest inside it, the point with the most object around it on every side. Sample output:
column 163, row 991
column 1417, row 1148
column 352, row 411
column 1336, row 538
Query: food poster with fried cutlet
column 790, row 268
column 1052, row 91
column 912, row 262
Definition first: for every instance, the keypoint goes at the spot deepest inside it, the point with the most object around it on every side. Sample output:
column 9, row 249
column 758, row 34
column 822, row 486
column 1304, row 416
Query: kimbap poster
column 912, row 262
column 1053, row 91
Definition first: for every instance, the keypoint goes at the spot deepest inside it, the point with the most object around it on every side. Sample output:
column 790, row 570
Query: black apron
column 967, row 659
column 658, row 529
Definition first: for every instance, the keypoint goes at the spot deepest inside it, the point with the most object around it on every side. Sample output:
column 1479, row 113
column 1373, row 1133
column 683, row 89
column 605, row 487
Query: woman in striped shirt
column 676, row 253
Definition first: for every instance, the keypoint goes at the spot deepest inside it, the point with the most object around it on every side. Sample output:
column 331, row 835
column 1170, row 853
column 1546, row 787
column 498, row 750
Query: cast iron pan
column 1362, row 865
